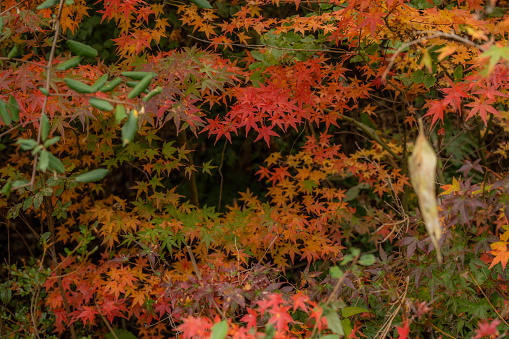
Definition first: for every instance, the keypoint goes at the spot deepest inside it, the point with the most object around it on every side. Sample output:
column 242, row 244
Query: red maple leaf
column 403, row 331
column 482, row 107
column 487, row 329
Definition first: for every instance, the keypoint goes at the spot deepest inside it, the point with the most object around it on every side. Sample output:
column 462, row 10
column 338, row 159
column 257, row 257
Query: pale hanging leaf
column 422, row 166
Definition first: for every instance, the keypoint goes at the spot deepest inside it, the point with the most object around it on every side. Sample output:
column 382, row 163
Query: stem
column 372, row 134
column 191, row 182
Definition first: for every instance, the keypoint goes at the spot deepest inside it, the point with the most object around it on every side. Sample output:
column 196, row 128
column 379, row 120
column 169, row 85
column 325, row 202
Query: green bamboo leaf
column 56, row 164
column 13, row 108
column 43, row 163
column 140, row 87
column 102, row 105
column 44, row 127
column 78, row 86
column 349, row 311
column 44, row 91
column 51, row 141
column 26, row 144
column 91, row 176
column 1, row 24
column 13, row 52
column 111, row 85
column 4, row 114
column 47, row 4
column 81, row 49
column 120, row 114
column 73, row 62
column 155, row 91
column 202, row 4
column 334, row 323
column 139, row 75
column 130, row 128
column 100, row 82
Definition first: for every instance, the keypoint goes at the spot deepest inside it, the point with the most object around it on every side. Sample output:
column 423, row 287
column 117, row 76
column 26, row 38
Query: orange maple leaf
column 499, row 251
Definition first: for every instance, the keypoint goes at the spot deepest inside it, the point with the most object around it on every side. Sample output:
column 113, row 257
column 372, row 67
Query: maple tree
column 240, row 169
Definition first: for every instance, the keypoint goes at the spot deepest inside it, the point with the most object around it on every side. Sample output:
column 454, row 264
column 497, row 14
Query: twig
column 112, row 331
column 272, row 47
column 198, row 274
column 221, row 175
column 372, row 134
column 489, row 302
column 431, row 35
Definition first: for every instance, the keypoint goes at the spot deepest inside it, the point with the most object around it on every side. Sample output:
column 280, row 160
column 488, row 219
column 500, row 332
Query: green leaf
column 495, row 54
column 51, row 141
column 44, row 127
column 349, row 311
column 120, row 114
column 130, row 127
column 38, row 198
column 1, row 24
column 6, row 190
column 418, row 76
column 367, row 260
column 13, row 52
column 347, row 326
column 155, row 91
column 4, row 114
column 335, row 272
column 26, row 144
column 13, row 108
column 78, row 86
column 81, row 49
column 47, row 4
column 330, row 336
column 100, row 82
column 28, row 202
column 44, row 91
column 219, row 330
column 458, row 73
column 207, row 167
column 139, row 75
column 120, row 334
column 100, row 104
column 92, row 176
column 56, row 164
column 111, row 85
column 43, row 161
column 140, row 87
column 73, row 62
column 334, row 323
column 202, row 4
column 429, row 81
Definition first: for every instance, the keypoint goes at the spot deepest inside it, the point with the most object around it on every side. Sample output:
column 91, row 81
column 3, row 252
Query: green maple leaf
column 207, row 167
column 495, row 53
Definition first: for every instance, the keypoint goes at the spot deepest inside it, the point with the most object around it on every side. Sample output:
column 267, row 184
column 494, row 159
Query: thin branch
column 372, row 134
column 430, row 35
column 272, row 47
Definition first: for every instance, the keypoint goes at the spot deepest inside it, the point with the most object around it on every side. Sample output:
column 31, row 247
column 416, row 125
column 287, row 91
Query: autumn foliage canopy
column 249, row 169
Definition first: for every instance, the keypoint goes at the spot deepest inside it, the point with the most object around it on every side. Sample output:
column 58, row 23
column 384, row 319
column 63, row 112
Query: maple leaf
column 265, row 132
column 250, row 318
column 280, row 317
column 487, row 328
column 496, row 53
column 482, row 107
column 403, row 331
column 499, row 251
column 87, row 314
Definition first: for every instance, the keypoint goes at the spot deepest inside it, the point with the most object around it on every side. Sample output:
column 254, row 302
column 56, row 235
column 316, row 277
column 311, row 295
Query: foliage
column 131, row 133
